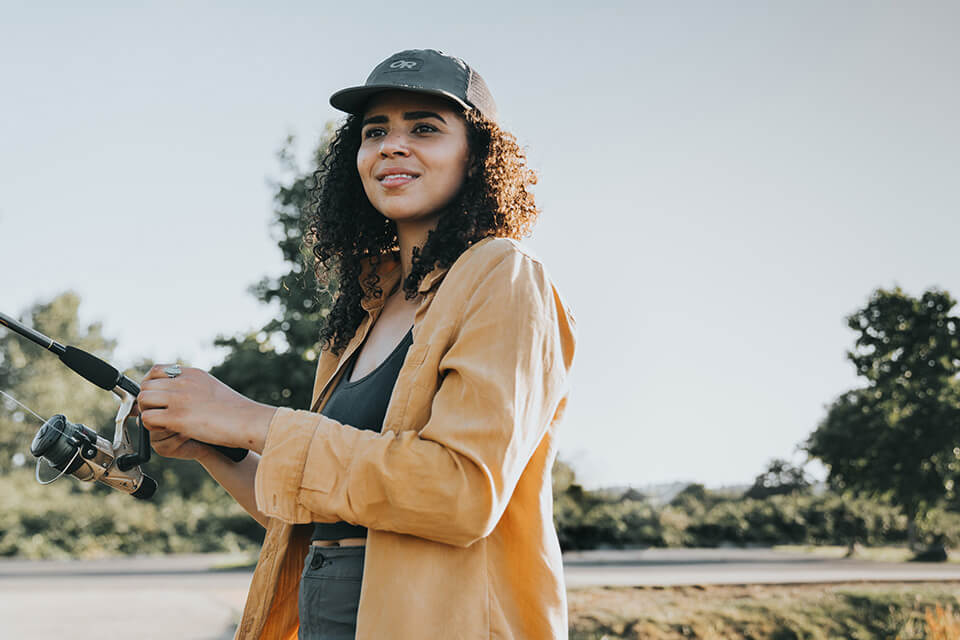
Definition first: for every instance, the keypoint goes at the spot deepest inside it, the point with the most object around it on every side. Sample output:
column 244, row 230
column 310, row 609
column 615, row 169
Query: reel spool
column 78, row 450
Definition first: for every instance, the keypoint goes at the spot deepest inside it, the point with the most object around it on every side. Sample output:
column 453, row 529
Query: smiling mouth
column 397, row 179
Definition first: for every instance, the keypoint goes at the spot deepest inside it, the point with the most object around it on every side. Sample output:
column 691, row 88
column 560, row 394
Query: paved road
column 185, row 597
column 165, row 598
column 674, row 567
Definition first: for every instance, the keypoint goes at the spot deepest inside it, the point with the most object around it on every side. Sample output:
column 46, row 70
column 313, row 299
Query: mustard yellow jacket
column 456, row 489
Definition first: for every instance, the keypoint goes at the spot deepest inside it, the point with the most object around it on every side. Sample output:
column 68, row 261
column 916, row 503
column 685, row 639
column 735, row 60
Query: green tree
column 780, row 478
column 898, row 435
column 276, row 363
column 696, row 499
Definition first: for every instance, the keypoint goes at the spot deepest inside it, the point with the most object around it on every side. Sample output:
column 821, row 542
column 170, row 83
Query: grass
column 780, row 612
column 235, row 562
column 875, row 554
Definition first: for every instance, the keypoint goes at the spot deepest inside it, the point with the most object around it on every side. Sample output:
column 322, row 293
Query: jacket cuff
column 280, row 471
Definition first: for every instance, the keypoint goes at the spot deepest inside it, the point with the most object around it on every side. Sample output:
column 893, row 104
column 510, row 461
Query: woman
column 423, row 466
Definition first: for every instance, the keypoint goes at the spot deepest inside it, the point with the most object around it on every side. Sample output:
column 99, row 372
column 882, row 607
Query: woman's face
column 413, row 154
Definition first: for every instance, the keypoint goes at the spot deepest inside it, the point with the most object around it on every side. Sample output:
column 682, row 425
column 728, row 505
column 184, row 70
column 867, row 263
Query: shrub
column 69, row 519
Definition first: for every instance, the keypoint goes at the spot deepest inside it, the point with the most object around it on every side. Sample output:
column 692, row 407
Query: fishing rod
column 79, row 450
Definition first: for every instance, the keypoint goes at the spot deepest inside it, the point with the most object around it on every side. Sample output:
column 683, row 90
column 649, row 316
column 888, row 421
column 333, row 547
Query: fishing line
column 51, row 426
column 24, row 406
column 42, row 421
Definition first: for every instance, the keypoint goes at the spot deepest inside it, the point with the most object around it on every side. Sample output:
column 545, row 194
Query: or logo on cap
column 404, row 64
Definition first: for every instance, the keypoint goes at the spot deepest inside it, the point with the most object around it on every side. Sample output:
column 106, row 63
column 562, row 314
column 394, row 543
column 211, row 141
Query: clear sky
column 721, row 183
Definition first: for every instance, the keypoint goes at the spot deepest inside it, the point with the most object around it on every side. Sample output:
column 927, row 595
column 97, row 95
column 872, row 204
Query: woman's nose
column 393, row 144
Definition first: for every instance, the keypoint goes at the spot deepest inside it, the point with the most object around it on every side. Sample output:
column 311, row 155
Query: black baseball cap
column 424, row 71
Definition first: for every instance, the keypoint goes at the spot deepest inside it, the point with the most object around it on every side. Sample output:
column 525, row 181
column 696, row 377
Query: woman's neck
column 409, row 235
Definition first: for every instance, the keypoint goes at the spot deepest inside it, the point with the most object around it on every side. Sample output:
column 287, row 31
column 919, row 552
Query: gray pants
column 330, row 593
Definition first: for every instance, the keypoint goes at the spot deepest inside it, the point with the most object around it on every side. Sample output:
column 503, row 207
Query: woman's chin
column 403, row 215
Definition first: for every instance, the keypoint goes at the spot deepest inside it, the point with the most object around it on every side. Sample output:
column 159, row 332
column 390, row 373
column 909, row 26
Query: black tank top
column 362, row 404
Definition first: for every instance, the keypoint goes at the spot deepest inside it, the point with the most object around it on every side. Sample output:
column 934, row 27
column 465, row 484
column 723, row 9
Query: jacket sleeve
column 504, row 378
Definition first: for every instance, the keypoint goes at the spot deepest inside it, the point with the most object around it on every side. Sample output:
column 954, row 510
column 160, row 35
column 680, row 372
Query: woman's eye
column 372, row 132
column 424, row 128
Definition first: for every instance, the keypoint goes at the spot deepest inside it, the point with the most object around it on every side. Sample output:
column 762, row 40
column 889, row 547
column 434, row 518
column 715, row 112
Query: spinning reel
column 78, row 450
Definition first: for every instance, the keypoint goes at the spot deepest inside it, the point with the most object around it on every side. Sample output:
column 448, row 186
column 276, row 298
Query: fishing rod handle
column 233, row 453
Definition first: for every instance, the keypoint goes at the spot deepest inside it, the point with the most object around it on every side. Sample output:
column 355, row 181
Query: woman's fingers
column 170, row 444
column 156, row 372
column 157, row 419
column 168, row 405
column 153, row 400
column 154, row 382
column 150, row 402
column 161, row 435
column 194, row 403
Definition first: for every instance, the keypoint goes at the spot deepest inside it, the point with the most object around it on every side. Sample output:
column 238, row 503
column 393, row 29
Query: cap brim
column 354, row 99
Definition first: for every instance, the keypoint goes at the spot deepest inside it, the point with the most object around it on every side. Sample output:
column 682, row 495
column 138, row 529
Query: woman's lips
column 397, row 180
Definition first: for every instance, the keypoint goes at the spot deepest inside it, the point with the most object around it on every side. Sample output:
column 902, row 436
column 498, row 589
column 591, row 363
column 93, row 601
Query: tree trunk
column 912, row 529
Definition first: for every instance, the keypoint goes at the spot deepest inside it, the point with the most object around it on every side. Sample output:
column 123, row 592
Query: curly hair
column 344, row 229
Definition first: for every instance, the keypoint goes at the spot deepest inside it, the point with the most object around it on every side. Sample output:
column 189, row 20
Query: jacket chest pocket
column 412, row 380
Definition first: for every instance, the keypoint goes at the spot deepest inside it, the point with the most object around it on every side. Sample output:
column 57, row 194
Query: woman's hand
column 171, row 444
column 197, row 406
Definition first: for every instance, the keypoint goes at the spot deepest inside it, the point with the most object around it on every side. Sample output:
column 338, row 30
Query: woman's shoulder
column 498, row 264
column 503, row 276
column 493, row 251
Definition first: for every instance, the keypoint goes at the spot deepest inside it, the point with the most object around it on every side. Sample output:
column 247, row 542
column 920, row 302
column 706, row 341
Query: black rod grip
column 234, row 453
column 100, row 373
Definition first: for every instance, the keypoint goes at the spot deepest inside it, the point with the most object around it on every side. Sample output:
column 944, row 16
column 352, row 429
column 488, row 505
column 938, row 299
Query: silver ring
column 172, row 371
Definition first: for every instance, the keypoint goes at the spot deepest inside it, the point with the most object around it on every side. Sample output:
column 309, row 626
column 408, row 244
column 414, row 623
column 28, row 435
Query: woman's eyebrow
column 409, row 115
column 417, row 115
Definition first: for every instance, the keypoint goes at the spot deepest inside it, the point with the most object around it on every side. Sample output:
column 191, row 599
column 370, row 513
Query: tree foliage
column 780, row 478
column 899, row 434
column 275, row 364
column 189, row 513
column 700, row 517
